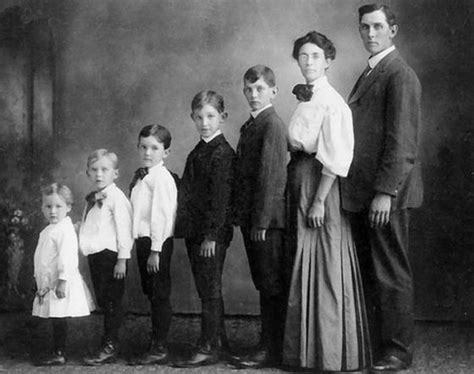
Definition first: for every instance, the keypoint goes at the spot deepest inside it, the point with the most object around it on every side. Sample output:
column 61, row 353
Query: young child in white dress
column 62, row 292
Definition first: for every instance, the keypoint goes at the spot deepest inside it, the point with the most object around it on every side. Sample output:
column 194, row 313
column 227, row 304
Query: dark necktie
column 95, row 197
column 140, row 173
column 303, row 92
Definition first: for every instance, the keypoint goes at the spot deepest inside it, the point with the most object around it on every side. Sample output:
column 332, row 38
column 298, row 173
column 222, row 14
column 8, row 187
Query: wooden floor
column 439, row 348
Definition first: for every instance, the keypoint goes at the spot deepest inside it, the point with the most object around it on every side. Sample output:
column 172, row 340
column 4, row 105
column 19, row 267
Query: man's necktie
column 140, row 173
column 303, row 92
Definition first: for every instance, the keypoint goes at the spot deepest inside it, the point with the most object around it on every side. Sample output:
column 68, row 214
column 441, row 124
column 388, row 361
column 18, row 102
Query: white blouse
column 154, row 203
column 323, row 126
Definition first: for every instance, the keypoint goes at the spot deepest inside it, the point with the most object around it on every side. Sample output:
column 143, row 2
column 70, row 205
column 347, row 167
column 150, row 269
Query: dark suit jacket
column 261, row 172
column 205, row 192
column 386, row 113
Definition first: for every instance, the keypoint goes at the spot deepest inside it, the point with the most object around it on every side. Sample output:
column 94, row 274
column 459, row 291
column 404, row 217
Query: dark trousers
column 267, row 266
column 386, row 272
column 207, row 272
column 157, row 287
column 108, row 291
column 59, row 333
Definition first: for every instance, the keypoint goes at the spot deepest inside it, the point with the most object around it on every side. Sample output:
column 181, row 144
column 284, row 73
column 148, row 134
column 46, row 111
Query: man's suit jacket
column 386, row 114
column 261, row 172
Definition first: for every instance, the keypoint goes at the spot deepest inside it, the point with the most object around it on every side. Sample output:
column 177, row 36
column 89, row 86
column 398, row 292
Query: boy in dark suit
column 383, row 184
column 260, row 207
column 205, row 221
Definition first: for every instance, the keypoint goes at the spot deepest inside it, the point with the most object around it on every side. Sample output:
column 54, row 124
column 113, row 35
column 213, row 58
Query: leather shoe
column 389, row 363
column 156, row 355
column 56, row 359
column 107, row 354
column 259, row 359
column 199, row 358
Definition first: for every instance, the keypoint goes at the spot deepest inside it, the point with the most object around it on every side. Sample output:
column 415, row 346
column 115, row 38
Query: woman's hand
column 153, row 263
column 120, row 268
column 208, row 248
column 315, row 215
column 61, row 289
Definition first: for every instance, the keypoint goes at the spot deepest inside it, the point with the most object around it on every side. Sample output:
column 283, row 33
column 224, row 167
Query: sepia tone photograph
column 214, row 186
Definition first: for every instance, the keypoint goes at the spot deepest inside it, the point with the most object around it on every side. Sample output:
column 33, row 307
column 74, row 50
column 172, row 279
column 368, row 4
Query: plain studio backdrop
column 109, row 67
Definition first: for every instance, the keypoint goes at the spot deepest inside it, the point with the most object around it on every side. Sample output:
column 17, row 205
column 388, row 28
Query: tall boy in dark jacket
column 260, row 207
column 204, row 219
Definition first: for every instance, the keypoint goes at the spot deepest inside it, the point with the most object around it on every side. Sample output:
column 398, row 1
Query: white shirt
column 374, row 60
column 323, row 126
column 154, row 202
column 108, row 226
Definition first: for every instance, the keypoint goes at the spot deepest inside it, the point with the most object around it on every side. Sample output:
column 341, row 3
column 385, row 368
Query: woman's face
column 312, row 62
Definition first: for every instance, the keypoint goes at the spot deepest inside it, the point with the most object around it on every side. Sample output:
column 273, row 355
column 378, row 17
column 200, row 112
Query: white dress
column 56, row 257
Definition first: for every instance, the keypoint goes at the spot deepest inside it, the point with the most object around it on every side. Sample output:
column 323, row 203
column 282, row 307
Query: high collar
column 374, row 60
column 255, row 113
column 319, row 83
column 215, row 135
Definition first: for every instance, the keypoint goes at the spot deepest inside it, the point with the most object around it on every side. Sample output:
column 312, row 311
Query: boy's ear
column 275, row 90
column 224, row 115
column 116, row 174
column 166, row 152
column 192, row 116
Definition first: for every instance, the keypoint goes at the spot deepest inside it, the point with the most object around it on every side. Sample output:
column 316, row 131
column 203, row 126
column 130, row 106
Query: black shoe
column 107, row 354
column 205, row 355
column 56, row 359
column 156, row 355
column 389, row 363
column 257, row 360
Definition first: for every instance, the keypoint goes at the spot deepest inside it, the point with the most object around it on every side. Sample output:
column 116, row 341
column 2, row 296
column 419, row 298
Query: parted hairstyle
column 208, row 97
column 59, row 189
column 256, row 72
column 369, row 8
column 318, row 39
column 99, row 153
column 161, row 134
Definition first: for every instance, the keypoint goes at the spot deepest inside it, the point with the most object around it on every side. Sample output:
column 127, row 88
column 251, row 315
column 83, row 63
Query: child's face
column 208, row 120
column 54, row 208
column 102, row 173
column 259, row 94
column 151, row 151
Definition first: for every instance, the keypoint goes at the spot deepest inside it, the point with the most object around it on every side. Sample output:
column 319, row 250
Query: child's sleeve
column 220, row 192
column 122, row 211
column 163, row 209
column 68, row 260
column 271, row 179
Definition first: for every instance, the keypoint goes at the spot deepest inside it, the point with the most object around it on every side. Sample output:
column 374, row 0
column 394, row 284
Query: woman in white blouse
column 326, row 326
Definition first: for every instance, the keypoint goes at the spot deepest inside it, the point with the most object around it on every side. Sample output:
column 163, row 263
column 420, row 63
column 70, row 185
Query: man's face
column 258, row 94
column 376, row 33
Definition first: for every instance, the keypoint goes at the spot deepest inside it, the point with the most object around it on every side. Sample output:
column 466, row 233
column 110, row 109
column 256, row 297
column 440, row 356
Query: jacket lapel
column 363, row 84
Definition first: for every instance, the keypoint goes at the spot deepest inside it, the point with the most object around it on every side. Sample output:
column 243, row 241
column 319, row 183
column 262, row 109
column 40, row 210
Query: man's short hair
column 369, row 8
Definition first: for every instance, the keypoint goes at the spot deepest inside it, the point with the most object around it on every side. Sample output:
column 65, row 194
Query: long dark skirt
column 326, row 325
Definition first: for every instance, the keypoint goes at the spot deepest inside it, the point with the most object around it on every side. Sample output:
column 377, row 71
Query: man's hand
column 379, row 213
column 120, row 268
column 153, row 263
column 208, row 248
column 257, row 234
column 315, row 215
column 61, row 289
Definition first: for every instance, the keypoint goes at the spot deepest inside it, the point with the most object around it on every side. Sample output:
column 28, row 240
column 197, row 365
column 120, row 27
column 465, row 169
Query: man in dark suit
column 384, row 183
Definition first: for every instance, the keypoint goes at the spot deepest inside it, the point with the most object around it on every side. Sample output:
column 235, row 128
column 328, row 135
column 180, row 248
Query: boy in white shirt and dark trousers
column 154, row 195
column 105, row 237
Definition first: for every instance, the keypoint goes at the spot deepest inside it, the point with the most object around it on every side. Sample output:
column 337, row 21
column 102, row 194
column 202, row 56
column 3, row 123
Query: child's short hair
column 260, row 71
column 161, row 134
column 318, row 39
column 99, row 153
column 208, row 97
column 59, row 189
